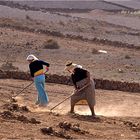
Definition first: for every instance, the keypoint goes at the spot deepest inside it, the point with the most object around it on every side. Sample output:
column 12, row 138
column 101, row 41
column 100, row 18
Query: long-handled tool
column 68, row 97
column 60, row 102
column 47, row 69
column 12, row 99
column 22, row 90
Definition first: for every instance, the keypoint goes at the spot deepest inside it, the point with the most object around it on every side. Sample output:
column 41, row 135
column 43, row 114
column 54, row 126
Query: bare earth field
column 23, row 32
column 118, row 114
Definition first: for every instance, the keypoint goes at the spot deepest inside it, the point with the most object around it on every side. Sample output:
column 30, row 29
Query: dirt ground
column 20, row 35
column 118, row 113
column 120, row 64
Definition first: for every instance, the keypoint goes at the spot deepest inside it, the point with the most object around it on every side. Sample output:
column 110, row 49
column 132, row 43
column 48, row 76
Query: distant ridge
column 77, row 4
column 133, row 4
column 66, row 5
column 129, row 8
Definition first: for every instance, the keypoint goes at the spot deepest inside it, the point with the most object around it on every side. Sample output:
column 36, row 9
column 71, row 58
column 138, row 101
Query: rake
column 67, row 98
column 27, row 86
column 60, row 103
column 21, row 91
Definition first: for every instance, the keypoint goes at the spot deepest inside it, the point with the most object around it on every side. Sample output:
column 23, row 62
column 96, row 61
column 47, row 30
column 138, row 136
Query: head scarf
column 31, row 57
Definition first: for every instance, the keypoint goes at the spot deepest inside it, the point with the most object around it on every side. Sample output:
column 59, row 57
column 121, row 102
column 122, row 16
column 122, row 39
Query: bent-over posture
column 37, row 72
column 84, row 86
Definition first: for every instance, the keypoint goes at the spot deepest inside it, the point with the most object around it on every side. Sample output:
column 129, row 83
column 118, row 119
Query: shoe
column 70, row 113
column 43, row 105
column 37, row 103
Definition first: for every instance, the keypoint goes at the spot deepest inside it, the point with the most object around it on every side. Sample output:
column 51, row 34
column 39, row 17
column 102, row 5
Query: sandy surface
column 120, row 64
column 118, row 114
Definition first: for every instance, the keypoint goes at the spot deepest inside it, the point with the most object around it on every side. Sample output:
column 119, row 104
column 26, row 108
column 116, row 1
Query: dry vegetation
column 51, row 44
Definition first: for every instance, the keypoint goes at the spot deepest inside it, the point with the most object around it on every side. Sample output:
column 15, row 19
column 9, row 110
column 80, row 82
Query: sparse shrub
column 28, row 17
column 127, row 66
column 127, row 57
column 80, row 29
column 61, row 23
column 56, row 33
column 93, row 28
column 51, row 44
column 94, row 51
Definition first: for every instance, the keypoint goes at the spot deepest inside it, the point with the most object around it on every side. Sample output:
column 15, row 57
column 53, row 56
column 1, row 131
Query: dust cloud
column 122, row 109
column 119, row 110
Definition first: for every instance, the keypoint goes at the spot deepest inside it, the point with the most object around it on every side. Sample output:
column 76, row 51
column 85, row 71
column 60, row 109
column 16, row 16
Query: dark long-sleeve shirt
column 36, row 66
column 79, row 74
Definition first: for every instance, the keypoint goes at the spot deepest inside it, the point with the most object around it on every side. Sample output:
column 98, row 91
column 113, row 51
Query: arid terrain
column 109, row 50
column 118, row 114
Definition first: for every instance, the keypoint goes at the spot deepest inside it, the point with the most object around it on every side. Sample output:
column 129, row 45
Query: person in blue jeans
column 37, row 72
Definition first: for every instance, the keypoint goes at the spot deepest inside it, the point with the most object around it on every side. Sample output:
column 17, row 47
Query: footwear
column 43, row 105
column 71, row 113
column 37, row 103
column 96, row 118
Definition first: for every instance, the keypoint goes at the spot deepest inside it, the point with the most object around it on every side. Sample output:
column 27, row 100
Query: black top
column 79, row 74
column 36, row 66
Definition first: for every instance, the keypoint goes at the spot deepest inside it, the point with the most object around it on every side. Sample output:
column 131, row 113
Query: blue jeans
column 42, row 95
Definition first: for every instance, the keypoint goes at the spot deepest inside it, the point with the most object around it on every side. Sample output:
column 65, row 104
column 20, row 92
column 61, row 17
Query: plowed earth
column 118, row 114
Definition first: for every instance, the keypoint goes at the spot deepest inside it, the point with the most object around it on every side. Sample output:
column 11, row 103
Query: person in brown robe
column 84, row 86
